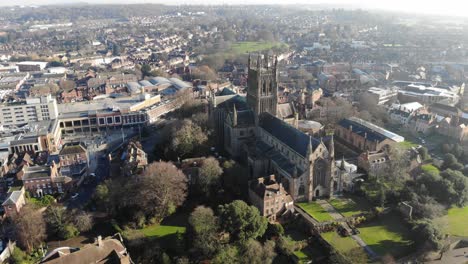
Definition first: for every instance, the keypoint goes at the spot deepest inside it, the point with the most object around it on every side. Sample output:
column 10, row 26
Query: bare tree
column 30, row 228
column 161, row 189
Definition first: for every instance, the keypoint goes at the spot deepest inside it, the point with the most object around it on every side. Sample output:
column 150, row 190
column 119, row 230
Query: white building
column 31, row 110
column 382, row 95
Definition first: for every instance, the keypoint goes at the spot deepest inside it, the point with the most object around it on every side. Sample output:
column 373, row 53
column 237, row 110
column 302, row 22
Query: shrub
column 68, row 231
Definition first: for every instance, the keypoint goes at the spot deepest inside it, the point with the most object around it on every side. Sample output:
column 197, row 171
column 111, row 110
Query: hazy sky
column 442, row 7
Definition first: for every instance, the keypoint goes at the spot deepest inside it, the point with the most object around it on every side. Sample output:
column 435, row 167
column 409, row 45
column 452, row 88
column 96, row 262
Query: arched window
column 320, row 173
column 301, row 190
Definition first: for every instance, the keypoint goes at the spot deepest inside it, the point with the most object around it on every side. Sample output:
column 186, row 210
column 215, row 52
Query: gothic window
column 320, row 173
column 301, row 190
column 264, row 92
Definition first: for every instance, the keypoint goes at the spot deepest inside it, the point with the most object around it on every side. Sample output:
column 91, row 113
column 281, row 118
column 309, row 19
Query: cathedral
column 258, row 130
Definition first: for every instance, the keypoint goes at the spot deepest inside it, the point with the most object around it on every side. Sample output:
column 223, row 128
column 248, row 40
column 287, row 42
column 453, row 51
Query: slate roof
column 226, row 91
column 292, row 137
column 245, row 118
column 239, row 101
column 12, row 198
column 278, row 158
column 374, row 132
column 72, row 148
column 111, row 251
column 285, row 110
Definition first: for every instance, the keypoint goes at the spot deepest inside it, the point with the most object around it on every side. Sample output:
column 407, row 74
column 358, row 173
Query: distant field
column 455, row 222
column 252, row 46
column 316, row 211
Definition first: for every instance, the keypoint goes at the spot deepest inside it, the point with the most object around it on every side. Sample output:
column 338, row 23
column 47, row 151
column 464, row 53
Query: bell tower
column 262, row 85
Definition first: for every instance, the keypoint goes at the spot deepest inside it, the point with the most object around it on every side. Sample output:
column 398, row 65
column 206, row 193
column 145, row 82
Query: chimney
column 350, row 127
column 99, row 241
column 272, row 178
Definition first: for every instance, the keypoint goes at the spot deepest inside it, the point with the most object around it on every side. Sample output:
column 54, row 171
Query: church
column 265, row 134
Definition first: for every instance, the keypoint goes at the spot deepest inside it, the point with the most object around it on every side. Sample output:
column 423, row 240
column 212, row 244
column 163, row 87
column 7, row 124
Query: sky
column 439, row 7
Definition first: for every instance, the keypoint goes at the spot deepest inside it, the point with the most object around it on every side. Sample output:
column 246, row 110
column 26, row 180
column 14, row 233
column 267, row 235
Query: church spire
column 342, row 165
column 309, row 147
column 331, row 147
column 234, row 116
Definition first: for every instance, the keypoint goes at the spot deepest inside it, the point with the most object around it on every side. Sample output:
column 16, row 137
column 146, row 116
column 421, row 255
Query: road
column 86, row 191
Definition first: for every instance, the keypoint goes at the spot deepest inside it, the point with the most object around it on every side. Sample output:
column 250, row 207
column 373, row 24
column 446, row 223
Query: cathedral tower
column 262, row 90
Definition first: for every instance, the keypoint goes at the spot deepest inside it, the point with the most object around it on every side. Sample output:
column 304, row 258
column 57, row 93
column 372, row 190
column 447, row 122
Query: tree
column 274, row 230
column 187, row 137
column 83, row 221
column 424, row 153
column 429, row 233
column 459, row 183
column 227, row 255
column 116, row 49
column 242, row 221
column 382, row 196
column 146, row 71
column 67, row 85
column 235, row 177
column 160, row 190
column 55, row 218
column 255, row 253
column 19, row 257
column 204, row 72
column 30, row 228
column 209, row 176
column 68, row 231
column 55, row 64
column 204, row 225
column 449, row 160
column 58, row 221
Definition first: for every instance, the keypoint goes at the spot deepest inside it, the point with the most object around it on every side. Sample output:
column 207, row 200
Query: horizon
column 446, row 8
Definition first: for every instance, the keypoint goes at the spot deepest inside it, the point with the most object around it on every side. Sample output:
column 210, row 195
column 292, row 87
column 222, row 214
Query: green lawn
column 316, row 211
column 252, row 46
column 342, row 244
column 161, row 230
column 408, row 144
column 387, row 235
column 429, row 168
column 350, row 205
column 455, row 222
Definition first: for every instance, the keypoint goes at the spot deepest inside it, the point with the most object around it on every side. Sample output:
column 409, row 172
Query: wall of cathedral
column 234, row 137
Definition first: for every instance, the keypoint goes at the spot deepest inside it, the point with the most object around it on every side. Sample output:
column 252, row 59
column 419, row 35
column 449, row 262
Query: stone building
column 74, row 161
column 362, row 136
column 252, row 129
column 269, row 197
column 14, row 202
column 42, row 180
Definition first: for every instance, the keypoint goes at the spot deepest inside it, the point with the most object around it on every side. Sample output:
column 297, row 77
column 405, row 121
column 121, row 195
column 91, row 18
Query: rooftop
column 292, row 137
column 374, row 132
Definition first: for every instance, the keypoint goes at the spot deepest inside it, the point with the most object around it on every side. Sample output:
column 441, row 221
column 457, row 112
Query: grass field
column 429, row 168
column 408, row 144
column 251, row 46
column 316, row 211
column 387, row 235
column 455, row 222
column 342, row 244
column 161, row 230
column 350, row 205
